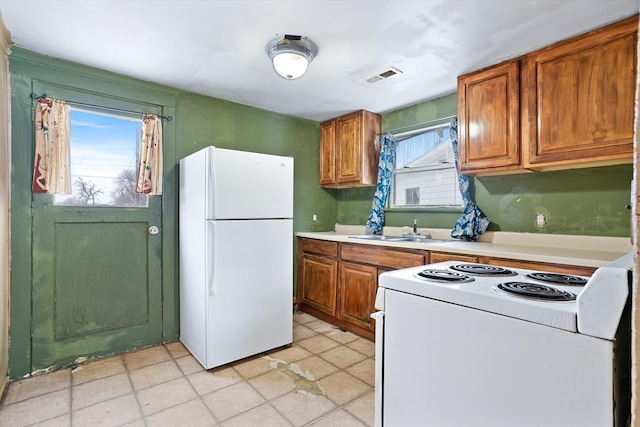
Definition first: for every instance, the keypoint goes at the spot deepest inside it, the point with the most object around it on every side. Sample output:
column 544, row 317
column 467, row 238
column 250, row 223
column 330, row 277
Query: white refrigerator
column 236, row 254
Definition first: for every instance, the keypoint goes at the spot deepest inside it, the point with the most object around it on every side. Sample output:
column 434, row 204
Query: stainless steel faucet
column 415, row 226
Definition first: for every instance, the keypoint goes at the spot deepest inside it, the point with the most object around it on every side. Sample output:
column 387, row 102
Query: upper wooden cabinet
column 579, row 97
column 565, row 106
column 349, row 150
column 489, row 118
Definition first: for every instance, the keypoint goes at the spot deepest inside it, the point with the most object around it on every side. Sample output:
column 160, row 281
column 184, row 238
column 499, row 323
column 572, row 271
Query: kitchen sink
column 403, row 238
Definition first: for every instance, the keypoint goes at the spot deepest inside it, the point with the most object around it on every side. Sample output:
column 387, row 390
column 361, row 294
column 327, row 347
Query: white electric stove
column 461, row 344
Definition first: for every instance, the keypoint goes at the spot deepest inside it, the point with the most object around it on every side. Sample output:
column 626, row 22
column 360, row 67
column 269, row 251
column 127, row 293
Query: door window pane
column 105, row 149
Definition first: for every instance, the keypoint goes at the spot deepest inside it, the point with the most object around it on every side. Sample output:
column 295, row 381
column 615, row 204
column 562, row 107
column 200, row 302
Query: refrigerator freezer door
column 248, row 185
column 250, row 293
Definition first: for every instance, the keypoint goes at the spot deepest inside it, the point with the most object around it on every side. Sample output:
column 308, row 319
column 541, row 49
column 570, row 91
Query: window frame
column 414, row 131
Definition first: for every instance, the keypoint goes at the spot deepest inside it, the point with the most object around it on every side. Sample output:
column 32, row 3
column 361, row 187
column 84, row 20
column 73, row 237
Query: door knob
column 154, row 230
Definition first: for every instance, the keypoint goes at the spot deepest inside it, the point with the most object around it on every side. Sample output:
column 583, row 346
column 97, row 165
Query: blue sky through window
column 102, row 147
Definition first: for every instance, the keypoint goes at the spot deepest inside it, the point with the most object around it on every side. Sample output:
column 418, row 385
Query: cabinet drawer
column 320, row 247
column 381, row 257
column 442, row 256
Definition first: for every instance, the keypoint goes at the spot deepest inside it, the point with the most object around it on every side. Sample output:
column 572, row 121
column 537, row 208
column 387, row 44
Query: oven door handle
column 378, row 316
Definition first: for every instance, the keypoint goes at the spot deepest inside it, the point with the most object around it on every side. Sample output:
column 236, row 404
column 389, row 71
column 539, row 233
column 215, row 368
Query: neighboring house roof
column 441, row 154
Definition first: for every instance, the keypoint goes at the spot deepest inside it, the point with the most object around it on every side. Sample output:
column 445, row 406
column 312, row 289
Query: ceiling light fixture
column 291, row 55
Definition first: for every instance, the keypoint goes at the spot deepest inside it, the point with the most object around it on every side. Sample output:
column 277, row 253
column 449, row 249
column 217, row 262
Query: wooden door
column 318, row 282
column 97, row 280
column 579, row 98
column 348, row 141
column 488, row 114
column 357, row 290
column 328, row 153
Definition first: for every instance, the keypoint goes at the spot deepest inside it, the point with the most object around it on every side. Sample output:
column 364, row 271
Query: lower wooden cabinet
column 337, row 282
column 318, row 283
column 357, row 289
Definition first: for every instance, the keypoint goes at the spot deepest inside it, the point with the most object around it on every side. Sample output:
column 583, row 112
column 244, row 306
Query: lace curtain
column 385, row 171
column 150, row 169
column 51, row 169
column 472, row 223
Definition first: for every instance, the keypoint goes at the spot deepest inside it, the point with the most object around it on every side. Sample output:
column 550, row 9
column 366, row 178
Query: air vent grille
column 389, row 72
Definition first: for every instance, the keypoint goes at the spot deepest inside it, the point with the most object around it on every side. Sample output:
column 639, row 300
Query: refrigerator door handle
column 210, row 257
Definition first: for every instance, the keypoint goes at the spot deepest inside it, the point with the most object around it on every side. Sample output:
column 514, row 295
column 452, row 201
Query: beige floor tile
column 100, row 390
column 342, row 387
column 154, row 374
column 63, row 420
column 342, row 356
column 320, row 326
column 272, row 384
column 316, row 366
column 98, row 369
column 262, row 416
column 148, row 356
column 338, row 418
column 136, row 423
column 291, row 354
column 165, row 395
column 209, row 381
column 35, row 410
column 301, row 408
column 364, row 371
column 301, row 332
column 176, row 349
column 233, row 400
column 38, row 385
column 189, row 365
column 302, row 318
column 250, row 368
column 114, row 412
column 363, row 408
column 364, row 346
column 342, row 337
column 195, row 411
column 317, row 344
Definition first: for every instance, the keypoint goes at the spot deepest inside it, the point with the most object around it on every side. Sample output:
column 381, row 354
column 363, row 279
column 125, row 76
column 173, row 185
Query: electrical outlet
column 541, row 220
column 314, row 218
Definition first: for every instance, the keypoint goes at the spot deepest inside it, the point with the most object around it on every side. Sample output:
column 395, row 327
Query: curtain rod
column 100, row 107
column 420, row 125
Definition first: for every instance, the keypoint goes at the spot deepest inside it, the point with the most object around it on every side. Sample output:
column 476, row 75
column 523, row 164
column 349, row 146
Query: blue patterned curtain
column 472, row 223
column 385, row 171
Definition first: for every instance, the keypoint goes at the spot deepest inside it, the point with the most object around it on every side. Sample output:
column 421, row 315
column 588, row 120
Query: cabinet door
column 328, row 153
column 579, row 97
column 488, row 117
column 357, row 292
column 348, row 141
column 318, row 284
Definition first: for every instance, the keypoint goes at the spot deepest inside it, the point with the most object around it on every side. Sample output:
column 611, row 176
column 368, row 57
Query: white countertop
column 586, row 251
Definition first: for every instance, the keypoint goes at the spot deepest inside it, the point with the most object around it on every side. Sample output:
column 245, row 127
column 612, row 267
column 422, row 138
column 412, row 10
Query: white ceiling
column 217, row 47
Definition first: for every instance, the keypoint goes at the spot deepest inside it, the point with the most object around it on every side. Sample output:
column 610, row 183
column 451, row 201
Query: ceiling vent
column 389, row 72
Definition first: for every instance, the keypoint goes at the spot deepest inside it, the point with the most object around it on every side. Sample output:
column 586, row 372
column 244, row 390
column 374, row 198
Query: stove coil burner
column 444, row 276
column 560, row 279
column 534, row 291
column 482, row 270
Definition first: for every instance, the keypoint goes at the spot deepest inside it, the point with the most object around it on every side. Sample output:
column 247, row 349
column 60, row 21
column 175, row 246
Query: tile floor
column 326, row 378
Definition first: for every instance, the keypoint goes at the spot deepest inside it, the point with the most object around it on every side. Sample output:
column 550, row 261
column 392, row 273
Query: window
column 105, row 150
column 425, row 174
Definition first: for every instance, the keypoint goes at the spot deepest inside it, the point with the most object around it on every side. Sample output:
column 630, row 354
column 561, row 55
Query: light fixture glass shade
column 291, row 55
column 290, row 65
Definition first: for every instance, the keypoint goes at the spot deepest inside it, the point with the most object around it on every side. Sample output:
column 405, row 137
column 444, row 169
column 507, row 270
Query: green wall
column 198, row 121
column 580, row 201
